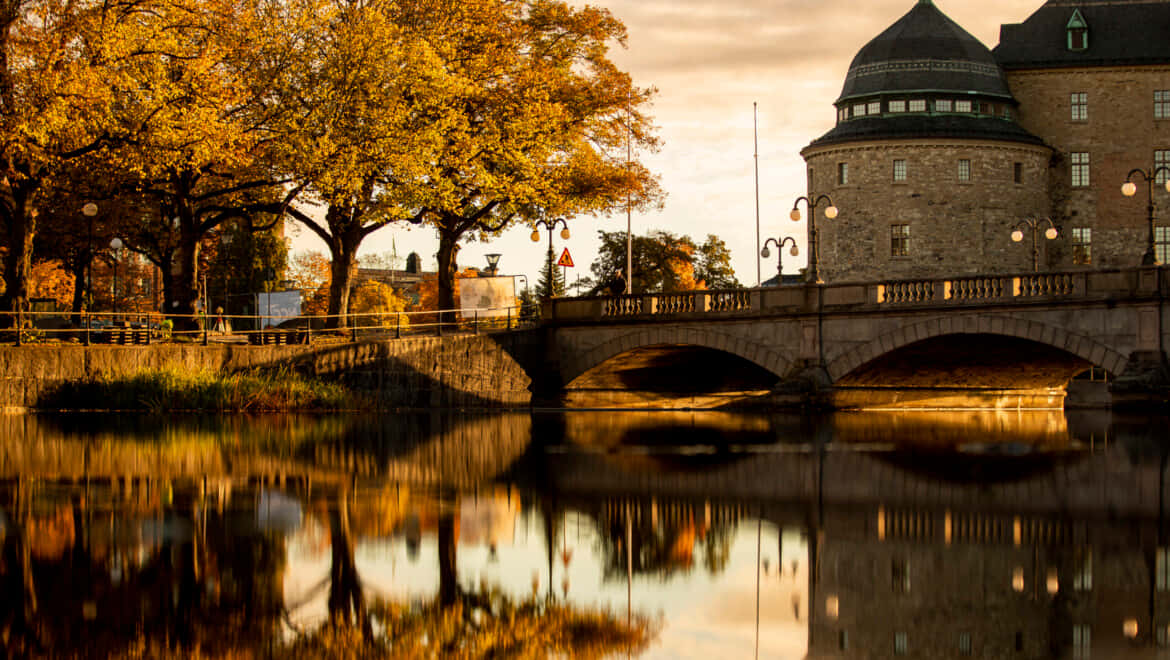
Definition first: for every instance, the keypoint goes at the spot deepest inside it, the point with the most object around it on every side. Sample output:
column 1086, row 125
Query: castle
column 943, row 149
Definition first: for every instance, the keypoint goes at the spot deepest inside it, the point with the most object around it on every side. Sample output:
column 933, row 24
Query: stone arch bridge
column 1002, row 341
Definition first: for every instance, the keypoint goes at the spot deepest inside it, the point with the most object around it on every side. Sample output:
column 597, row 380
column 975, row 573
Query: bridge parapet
column 1025, row 288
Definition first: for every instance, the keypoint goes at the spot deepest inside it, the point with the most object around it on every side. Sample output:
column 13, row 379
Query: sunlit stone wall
column 459, row 371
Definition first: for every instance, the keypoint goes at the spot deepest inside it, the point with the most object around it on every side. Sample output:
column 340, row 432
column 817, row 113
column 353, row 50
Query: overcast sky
column 710, row 60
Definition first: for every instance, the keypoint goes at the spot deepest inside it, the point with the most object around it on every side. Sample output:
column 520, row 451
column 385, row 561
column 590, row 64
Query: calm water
column 658, row 535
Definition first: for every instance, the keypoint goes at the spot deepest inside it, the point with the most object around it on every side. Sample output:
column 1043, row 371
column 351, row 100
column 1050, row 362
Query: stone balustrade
column 1025, row 288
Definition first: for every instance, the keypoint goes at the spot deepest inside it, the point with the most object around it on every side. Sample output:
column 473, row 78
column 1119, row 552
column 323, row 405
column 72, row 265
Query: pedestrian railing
column 144, row 328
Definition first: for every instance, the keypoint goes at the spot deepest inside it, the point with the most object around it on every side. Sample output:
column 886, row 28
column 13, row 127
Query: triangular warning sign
column 566, row 259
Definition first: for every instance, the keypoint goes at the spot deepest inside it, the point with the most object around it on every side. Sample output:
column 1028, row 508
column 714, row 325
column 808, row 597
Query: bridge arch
column 984, row 324
column 768, row 357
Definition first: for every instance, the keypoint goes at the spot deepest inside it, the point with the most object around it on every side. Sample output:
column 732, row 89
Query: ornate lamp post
column 1034, row 224
column 493, row 260
column 1129, row 189
column 813, row 275
column 116, row 248
column 550, row 225
column 780, row 243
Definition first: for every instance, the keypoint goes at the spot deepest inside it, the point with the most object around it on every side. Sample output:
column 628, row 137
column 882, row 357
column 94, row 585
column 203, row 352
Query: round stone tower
column 926, row 164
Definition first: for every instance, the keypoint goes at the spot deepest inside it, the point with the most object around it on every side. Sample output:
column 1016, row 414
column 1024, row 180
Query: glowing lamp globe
column 90, row 210
column 535, row 236
column 765, row 253
column 831, row 212
column 795, row 251
column 1050, row 233
column 1168, row 185
column 1129, row 189
column 116, row 243
column 565, row 233
column 1017, row 236
column 795, row 215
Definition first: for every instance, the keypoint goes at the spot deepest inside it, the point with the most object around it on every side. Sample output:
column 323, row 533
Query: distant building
column 943, row 146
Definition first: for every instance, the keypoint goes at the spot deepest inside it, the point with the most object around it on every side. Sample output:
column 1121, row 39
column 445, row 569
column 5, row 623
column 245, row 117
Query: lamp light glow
column 795, row 251
column 831, row 212
column 1129, row 189
column 795, row 215
column 565, row 233
column 90, row 209
column 535, row 236
column 1050, row 233
column 1017, row 236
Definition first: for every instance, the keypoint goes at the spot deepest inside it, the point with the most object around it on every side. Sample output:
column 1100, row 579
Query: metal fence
column 142, row 328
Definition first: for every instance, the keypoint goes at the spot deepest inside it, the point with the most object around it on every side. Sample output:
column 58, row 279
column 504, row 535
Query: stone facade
column 1094, row 103
column 1119, row 133
column 955, row 226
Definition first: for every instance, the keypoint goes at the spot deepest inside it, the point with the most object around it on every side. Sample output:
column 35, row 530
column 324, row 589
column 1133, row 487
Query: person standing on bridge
column 618, row 287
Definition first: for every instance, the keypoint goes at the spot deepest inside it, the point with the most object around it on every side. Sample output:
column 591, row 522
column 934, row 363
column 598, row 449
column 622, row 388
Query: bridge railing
column 961, row 290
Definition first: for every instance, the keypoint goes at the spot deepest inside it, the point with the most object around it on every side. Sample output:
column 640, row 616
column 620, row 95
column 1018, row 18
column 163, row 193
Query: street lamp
column 1034, row 225
column 1129, row 189
column 780, row 243
column 116, row 247
column 550, row 225
column 813, row 275
column 493, row 260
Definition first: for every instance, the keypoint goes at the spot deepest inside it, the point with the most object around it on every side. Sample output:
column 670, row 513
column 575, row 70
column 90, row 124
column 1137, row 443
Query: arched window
column 1078, row 32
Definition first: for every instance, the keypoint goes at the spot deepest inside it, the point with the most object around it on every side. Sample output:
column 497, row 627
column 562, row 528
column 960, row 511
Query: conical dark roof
column 924, row 51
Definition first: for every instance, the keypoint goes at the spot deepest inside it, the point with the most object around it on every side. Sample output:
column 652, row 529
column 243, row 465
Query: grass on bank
column 161, row 390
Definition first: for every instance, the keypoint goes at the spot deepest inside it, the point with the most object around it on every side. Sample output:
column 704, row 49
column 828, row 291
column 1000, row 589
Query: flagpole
column 629, row 200
column 756, row 156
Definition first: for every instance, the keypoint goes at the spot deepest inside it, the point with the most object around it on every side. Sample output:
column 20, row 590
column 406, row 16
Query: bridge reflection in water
column 1028, row 535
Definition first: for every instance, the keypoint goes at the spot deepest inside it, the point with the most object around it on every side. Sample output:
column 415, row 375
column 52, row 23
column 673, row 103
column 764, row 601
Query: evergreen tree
column 551, row 283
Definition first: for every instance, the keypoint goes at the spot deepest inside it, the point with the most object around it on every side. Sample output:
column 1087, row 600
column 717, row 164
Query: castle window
column 1162, row 244
column 1082, row 246
column 842, row 114
column 899, row 170
column 1018, row 172
column 859, row 110
column 1080, row 169
column 1161, row 160
column 964, row 170
column 874, row 108
column 900, row 247
column 918, row 105
column 942, row 105
column 897, row 106
column 1079, row 102
column 1007, row 112
column 962, row 106
column 842, row 174
column 1078, row 32
column 1162, row 104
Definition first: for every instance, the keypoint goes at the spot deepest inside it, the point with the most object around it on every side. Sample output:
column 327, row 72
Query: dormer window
column 1078, row 32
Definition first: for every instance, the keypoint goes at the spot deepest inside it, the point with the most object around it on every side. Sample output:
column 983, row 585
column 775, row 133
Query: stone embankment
column 422, row 372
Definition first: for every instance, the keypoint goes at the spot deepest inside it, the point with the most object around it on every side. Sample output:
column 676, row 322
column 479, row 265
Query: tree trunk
column 448, row 251
column 78, row 270
column 347, row 237
column 184, row 284
column 22, row 228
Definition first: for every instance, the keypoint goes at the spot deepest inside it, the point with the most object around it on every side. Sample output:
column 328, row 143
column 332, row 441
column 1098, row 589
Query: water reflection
column 1033, row 535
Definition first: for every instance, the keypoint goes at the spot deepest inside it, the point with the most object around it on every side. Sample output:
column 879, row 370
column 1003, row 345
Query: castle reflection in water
column 1011, row 535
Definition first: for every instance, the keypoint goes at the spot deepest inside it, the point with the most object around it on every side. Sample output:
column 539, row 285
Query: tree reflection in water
column 169, row 571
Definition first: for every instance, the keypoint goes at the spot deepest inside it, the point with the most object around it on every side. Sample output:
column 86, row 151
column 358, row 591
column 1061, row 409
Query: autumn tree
column 713, row 264
column 364, row 120
column 535, row 117
column 662, row 261
column 203, row 101
column 58, row 92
